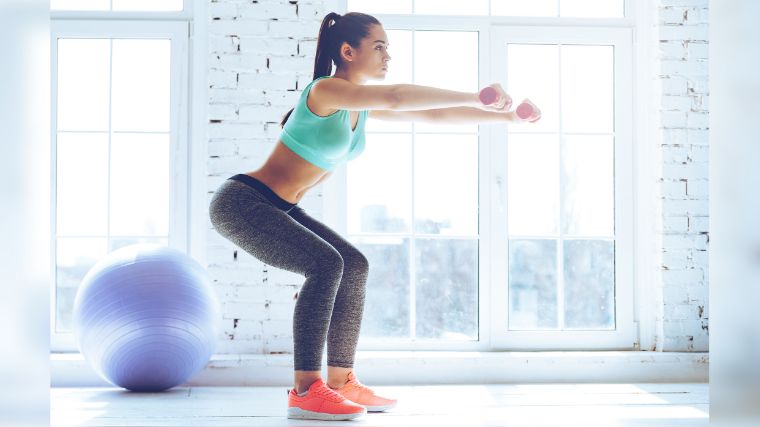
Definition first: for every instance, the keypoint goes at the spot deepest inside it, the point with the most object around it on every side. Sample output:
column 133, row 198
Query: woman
column 259, row 211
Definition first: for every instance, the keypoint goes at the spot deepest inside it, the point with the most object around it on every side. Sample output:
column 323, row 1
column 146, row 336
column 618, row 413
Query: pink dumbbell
column 488, row 95
column 526, row 111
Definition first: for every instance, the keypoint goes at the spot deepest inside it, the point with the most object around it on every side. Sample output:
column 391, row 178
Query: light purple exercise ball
column 146, row 317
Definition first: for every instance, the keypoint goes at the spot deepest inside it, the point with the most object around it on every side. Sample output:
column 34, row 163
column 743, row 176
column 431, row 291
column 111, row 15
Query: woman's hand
column 498, row 101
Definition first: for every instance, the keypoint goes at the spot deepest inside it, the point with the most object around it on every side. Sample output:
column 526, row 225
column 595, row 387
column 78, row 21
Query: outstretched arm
column 453, row 115
column 343, row 95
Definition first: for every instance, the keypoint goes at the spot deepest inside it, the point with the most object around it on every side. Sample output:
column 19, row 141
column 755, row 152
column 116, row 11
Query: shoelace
column 356, row 384
column 328, row 393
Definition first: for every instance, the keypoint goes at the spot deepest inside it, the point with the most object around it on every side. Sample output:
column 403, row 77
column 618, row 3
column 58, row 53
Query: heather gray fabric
column 281, row 234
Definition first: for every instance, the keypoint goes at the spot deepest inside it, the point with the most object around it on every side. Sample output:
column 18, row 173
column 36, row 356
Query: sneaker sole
column 303, row 414
column 379, row 408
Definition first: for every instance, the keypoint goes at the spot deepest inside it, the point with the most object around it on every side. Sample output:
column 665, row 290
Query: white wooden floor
column 588, row 405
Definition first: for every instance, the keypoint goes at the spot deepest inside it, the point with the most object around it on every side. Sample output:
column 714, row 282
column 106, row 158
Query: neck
column 352, row 77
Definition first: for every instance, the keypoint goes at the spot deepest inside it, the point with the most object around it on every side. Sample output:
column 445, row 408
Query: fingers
column 493, row 97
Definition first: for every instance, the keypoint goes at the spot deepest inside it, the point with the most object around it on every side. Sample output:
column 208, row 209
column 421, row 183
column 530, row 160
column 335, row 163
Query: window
column 119, row 141
column 418, row 220
column 532, row 8
column 499, row 237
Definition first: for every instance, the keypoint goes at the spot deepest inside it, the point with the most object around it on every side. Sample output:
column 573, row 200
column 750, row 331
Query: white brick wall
column 260, row 57
column 684, row 99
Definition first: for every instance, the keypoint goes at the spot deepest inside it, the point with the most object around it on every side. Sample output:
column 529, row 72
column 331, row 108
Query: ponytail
column 350, row 28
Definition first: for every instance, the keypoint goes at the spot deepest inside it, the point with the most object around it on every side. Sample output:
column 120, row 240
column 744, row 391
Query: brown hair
column 350, row 28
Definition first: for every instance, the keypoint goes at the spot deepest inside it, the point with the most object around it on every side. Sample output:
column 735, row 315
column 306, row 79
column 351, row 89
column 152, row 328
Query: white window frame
column 492, row 274
column 622, row 337
column 177, row 27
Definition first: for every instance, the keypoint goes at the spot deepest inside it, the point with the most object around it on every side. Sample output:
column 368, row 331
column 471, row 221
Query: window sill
column 433, row 367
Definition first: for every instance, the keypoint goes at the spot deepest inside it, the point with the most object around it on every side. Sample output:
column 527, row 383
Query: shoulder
column 331, row 83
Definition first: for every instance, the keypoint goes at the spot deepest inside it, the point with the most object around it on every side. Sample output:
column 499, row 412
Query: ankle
column 303, row 384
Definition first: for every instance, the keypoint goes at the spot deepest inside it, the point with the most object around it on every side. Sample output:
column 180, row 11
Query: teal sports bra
column 325, row 141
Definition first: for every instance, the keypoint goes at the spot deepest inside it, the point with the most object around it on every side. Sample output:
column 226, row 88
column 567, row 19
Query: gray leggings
column 281, row 234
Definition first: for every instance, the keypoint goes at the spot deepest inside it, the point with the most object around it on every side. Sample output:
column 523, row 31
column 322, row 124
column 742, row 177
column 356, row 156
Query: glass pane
column 447, row 60
column 591, row 8
column 533, row 73
column 80, row 4
column 532, row 184
column 385, row 6
column 399, row 71
column 117, row 243
column 589, row 284
column 446, row 202
column 141, row 85
column 451, row 7
column 447, row 289
column 148, row 5
column 386, row 313
column 524, row 8
column 140, row 173
column 379, row 201
column 74, row 258
column 81, row 184
column 532, row 284
column 83, row 69
column 588, row 185
column 587, row 89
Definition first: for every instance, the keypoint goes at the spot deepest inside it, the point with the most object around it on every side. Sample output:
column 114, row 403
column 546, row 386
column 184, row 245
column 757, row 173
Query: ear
column 346, row 52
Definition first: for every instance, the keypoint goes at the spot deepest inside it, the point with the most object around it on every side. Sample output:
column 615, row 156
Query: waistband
column 264, row 189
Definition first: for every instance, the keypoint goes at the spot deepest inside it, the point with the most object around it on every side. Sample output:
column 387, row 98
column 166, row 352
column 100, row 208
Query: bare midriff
column 289, row 175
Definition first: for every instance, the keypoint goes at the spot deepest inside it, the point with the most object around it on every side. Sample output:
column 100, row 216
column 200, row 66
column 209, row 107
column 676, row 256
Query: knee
column 327, row 263
column 355, row 262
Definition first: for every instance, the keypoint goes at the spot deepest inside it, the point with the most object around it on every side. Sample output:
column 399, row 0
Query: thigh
column 270, row 234
column 346, row 248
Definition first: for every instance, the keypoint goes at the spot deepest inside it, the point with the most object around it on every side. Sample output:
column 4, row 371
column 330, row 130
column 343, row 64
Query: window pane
column 588, row 190
column 524, row 8
column 532, row 284
column 589, row 284
column 385, row 6
column 140, row 173
column 451, row 7
column 399, row 71
column 379, row 201
column 83, row 69
column 532, row 184
column 81, row 184
column 447, row 60
column 116, row 243
column 80, row 4
column 447, row 289
column 74, row 258
column 446, row 202
column 386, row 313
column 587, row 89
column 148, row 5
column 141, row 85
column 592, row 8
column 533, row 73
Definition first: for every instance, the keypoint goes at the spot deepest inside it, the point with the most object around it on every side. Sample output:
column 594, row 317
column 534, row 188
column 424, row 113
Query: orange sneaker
column 357, row 392
column 322, row 403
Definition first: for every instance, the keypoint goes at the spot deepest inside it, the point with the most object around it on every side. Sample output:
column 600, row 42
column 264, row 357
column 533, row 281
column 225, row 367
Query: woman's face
column 371, row 59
